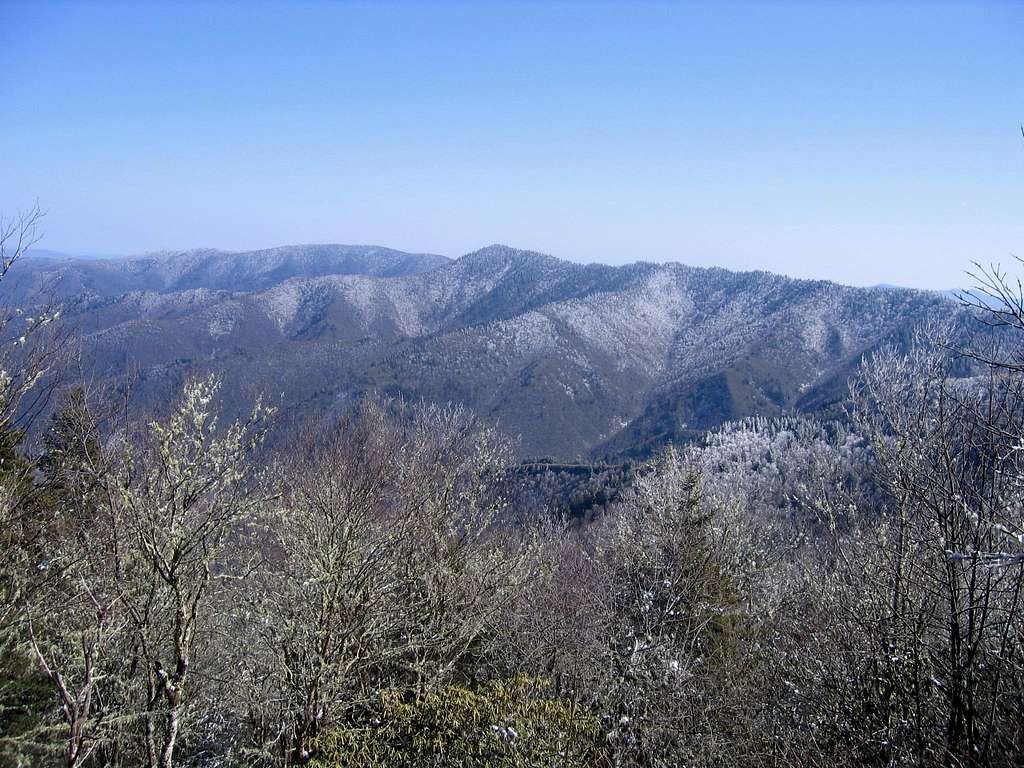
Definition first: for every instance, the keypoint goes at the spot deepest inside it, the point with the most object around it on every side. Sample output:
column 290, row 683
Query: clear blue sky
column 861, row 142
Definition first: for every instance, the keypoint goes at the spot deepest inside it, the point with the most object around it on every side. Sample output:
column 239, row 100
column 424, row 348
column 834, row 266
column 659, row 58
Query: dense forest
column 393, row 587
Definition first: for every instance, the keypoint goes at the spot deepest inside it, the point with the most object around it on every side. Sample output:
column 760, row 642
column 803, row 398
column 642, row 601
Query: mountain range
column 576, row 361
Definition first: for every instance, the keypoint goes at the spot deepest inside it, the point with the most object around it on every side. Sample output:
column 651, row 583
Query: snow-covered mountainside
column 169, row 271
column 578, row 360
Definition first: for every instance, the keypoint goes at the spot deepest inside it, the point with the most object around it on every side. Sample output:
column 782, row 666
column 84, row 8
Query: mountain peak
column 500, row 256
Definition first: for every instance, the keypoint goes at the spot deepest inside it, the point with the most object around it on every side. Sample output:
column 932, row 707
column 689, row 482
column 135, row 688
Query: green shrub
column 507, row 723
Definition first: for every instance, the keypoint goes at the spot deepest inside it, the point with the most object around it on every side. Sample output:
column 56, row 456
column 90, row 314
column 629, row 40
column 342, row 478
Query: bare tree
column 31, row 341
column 941, row 571
column 33, row 346
column 23, row 365
column 76, row 628
column 176, row 500
column 384, row 570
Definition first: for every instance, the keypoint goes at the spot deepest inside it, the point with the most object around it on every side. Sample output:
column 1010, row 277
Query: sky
column 873, row 142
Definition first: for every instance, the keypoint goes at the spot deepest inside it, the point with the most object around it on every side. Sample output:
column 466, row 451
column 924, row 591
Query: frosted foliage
column 384, row 302
column 636, row 326
column 529, row 334
column 221, row 318
column 282, row 303
column 787, row 466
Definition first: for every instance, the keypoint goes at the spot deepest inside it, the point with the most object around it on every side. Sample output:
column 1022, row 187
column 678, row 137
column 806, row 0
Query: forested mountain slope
column 49, row 275
column 576, row 360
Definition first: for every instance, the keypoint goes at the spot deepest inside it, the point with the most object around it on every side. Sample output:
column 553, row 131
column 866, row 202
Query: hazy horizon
column 861, row 143
column 965, row 283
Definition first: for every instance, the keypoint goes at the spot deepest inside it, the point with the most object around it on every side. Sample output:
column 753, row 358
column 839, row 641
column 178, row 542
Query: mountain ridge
column 577, row 360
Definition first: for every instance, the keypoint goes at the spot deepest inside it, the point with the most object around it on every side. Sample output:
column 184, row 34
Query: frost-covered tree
column 677, row 620
column 949, row 567
column 648, row 618
column 181, row 489
column 384, row 571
